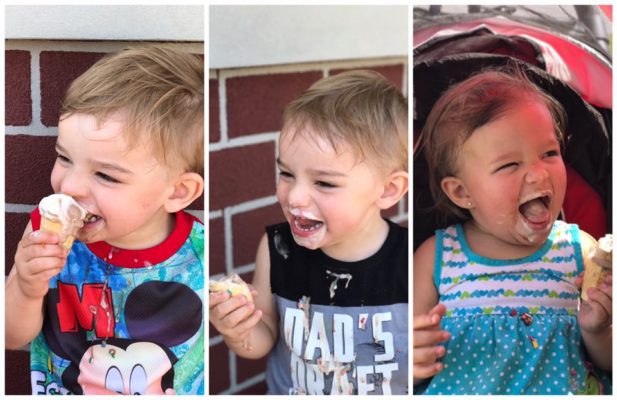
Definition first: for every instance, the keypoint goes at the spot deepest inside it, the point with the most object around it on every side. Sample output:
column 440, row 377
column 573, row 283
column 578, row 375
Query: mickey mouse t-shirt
column 125, row 321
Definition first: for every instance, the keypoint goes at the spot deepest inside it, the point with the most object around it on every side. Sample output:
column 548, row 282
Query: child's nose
column 537, row 173
column 73, row 185
column 298, row 196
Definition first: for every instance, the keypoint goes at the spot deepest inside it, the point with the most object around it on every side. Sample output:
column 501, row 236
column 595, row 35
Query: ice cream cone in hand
column 235, row 286
column 232, row 284
column 62, row 215
column 597, row 263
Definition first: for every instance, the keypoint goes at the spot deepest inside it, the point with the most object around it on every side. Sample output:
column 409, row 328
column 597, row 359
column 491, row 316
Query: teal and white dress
column 513, row 322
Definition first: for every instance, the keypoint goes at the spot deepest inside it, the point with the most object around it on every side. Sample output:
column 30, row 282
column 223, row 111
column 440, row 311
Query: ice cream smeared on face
column 62, row 215
column 308, row 230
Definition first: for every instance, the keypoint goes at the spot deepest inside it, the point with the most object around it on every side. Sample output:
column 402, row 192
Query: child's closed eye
column 506, row 166
column 285, row 175
column 325, row 185
column 107, row 178
column 552, row 153
column 62, row 158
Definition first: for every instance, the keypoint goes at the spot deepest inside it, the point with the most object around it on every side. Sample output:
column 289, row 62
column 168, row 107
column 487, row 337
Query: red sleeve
column 35, row 218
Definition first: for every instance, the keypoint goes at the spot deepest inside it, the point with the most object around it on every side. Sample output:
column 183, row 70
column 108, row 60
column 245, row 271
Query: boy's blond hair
column 464, row 108
column 158, row 90
column 358, row 108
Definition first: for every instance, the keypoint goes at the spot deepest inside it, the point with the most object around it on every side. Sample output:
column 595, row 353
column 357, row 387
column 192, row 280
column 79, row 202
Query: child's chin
column 311, row 242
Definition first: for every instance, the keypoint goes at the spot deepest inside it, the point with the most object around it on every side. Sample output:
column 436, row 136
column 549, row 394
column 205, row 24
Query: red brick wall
column 245, row 108
column 37, row 74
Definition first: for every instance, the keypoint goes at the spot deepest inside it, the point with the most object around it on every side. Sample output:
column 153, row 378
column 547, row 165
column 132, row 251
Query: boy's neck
column 362, row 244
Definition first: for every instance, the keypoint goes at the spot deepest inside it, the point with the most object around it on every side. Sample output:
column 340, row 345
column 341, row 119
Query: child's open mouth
column 305, row 226
column 91, row 219
column 536, row 211
column 307, row 230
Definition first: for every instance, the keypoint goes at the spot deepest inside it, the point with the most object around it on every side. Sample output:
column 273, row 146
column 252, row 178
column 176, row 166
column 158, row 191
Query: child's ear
column 455, row 189
column 187, row 188
column 395, row 187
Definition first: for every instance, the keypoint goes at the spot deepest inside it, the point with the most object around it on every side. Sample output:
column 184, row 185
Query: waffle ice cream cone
column 232, row 284
column 597, row 263
column 62, row 215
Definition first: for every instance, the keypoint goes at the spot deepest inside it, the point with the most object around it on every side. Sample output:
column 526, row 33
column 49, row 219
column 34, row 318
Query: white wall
column 242, row 36
column 100, row 22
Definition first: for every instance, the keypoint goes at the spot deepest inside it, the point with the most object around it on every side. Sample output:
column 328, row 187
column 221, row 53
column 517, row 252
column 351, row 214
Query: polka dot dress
column 513, row 322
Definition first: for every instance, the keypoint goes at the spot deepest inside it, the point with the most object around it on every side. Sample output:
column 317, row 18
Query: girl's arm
column 425, row 294
column 427, row 331
column 594, row 316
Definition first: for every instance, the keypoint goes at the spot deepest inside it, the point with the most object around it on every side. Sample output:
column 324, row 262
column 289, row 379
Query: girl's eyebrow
column 100, row 164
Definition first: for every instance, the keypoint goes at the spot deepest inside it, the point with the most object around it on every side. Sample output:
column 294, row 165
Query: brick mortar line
column 250, row 205
column 215, row 214
column 35, row 131
column 89, row 46
column 35, row 90
column 17, row 208
column 233, row 368
column 224, row 73
column 228, row 238
column 223, row 123
column 247, row 383
column 245, row 140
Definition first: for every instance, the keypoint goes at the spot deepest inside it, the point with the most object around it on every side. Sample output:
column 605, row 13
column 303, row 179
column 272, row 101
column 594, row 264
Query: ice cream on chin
column 62, row 215
column 597, row 264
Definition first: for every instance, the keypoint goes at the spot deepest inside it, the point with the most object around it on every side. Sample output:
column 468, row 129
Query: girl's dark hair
column 467, row 106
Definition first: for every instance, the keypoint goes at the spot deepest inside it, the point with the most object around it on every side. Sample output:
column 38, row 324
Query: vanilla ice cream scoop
column 597, row 263
column 62, row 215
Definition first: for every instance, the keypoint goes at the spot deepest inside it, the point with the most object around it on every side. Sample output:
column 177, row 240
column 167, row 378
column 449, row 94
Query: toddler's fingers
column 40, row 237
column 426, row 371
column 427, row 355
column 424, row 321
column 231, row 304
column 49, row 273
column 233, row 318
column 41, row 264
column 216, row 298
column 601, row 298
column 249, row 323
column 578, row 281
column 34, row 252
column 423, row 338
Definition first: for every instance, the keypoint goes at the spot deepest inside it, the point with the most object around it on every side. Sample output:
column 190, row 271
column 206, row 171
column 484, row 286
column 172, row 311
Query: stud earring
column 469, row 204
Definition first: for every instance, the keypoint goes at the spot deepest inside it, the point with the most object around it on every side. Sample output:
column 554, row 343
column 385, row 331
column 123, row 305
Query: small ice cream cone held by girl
column 497, row 298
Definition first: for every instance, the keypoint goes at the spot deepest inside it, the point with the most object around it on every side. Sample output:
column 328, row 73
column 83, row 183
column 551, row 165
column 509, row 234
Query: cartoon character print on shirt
column 158, row 315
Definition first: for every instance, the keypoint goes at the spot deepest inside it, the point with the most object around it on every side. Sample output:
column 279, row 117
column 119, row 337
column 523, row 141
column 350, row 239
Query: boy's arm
column 23, row 314
column 264, row 334
column 595, row 316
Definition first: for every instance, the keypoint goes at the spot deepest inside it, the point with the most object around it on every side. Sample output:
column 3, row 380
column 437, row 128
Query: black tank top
column 342, row 325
